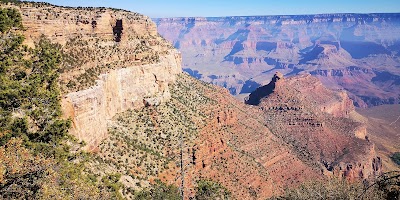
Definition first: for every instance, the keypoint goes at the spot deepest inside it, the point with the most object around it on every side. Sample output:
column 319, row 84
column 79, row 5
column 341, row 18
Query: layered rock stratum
column 113, row 60
column 316, row 122
column 355, row 52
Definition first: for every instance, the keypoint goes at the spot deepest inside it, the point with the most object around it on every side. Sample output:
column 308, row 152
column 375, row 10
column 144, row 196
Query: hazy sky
column 213, row 8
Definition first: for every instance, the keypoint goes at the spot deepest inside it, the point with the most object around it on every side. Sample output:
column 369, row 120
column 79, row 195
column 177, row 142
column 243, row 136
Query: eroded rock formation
column 315, row 122
column 118, row 91
column 113, row 60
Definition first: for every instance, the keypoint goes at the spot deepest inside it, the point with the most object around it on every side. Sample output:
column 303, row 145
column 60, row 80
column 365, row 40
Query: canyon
column 141, row 117
column 355, row 52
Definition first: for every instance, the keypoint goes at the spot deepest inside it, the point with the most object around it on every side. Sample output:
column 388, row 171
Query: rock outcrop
column 128, row 100
column 315, row 122
column 253, row 151
column 118, row 91
column 113, row 60
column 336, row 103
column 60, row 24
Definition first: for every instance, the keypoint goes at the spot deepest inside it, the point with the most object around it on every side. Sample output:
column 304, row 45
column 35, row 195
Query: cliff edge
column 113, row 60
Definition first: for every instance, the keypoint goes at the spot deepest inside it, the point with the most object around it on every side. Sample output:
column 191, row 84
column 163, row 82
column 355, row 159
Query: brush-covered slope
column 251, row 152
column 38, row 158
column 221, row 141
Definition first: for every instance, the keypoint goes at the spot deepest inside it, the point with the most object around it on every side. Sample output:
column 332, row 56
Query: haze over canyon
column 355, row 52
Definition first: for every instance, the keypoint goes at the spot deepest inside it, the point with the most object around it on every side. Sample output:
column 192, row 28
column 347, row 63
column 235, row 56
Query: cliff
column 315, row 122
column 113, row 60
column 118, row 91
column 253, row 151
column 306, row 88
column 345, row 51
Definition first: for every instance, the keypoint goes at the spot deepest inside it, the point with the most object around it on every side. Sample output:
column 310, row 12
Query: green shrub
column 113, row 185
column 211, row 190
column 396, row 158
column 385, row 186
column 9, row 18
column 159, row 191
column 31, row 126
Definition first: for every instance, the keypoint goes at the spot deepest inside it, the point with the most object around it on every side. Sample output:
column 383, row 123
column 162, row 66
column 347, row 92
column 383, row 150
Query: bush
column 113, row 185
column 9, row 18
column 396, row 158
column 35, row 161
column 385, row 186
column 159, row 191
column 211, row 190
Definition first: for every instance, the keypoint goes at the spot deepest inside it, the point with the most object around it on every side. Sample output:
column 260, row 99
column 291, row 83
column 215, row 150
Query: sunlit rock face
column 316, row 122
column 113, row 60
column 355, row 52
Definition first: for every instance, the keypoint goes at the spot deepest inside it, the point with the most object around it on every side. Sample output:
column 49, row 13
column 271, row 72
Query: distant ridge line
column 301, row 16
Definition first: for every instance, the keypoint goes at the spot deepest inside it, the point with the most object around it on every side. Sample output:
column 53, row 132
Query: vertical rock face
column 360, row 167
column 113, row 60
column 118, row 91
column 62, row 23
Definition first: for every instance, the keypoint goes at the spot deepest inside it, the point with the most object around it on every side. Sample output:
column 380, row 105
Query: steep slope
column 298, row 110
column 38, row 158
column 221, row 142
column 383, row 124
column 356, row 52
column 252, row 152
column 113, row 60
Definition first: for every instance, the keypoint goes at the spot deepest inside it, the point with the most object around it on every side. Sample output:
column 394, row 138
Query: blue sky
column 214, row 8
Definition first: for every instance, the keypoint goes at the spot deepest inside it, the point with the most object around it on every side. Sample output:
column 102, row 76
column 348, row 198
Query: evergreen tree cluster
column 35, row 157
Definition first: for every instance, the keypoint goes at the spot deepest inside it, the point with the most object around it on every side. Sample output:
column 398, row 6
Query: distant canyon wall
column 355, row 52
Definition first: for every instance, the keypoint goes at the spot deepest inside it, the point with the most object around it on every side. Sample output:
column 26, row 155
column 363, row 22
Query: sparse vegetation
column 145, row 142
column 385, row 187
column 40, row 160
column 98, row 57
column 327, row 189
column 159, row 191
column 211, row 190
column 396, row 158
column 34, row 142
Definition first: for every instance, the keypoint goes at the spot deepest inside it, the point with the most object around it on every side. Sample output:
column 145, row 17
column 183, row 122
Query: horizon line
column 222, row 16
column 272, row 15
